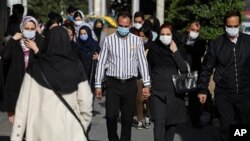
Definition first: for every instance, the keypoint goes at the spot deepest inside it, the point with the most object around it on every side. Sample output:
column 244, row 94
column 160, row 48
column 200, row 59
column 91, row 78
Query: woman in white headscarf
column 18, row 54
column 79, row 21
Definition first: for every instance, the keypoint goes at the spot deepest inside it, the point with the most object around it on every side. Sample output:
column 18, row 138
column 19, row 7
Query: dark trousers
column 233, row 109
column 163, row 132
column 120, row 96
column 194, row 108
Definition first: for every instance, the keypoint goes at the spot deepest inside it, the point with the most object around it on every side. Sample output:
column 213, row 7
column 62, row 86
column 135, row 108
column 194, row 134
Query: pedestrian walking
column 20, row 51
column 167, row 107
column 121, row 55
column 58, row 75
column 229, row 55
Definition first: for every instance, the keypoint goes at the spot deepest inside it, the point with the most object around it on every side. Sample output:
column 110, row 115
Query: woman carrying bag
column 40, row 111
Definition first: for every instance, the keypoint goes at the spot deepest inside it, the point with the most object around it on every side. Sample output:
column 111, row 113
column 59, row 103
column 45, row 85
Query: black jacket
column 14, row 58
column 195, row 52
column 232, row 65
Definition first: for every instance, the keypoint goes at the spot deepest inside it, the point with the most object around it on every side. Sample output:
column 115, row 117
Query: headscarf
column 59, row 64
column 98, row 30
column 90, row 45
column 25, row 49
column 28, row 19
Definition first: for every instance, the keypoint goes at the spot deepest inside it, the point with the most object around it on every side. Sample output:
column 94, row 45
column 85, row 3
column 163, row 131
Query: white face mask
column 137, row 25
column 166, row 39
column 232, row 31
column 193, row 35
column 78, row 23
column 29, row 34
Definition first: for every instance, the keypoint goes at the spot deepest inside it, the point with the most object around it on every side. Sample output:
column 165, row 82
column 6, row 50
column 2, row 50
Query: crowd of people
column 60, row 67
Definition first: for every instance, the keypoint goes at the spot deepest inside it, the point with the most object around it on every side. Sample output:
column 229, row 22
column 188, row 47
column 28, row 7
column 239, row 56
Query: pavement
column 98, row 131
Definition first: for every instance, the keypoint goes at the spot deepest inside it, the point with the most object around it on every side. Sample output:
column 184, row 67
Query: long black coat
column 13, row 57
column 164, row 102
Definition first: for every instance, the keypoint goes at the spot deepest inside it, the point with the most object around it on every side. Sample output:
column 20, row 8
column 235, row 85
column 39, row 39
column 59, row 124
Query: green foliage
column 210, row 13
column 43, row 7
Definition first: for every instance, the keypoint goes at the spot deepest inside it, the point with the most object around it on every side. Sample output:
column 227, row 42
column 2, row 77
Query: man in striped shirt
column 121, row 55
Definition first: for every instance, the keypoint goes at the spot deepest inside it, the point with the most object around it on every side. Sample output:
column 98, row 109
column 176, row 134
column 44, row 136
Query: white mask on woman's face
column 29, row 34
column 166, row 39
column 78, row 23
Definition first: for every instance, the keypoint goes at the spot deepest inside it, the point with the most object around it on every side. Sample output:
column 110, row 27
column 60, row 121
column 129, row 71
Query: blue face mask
column 70, row 18
column 84, row 37
column 123, row 31
column 29, row 34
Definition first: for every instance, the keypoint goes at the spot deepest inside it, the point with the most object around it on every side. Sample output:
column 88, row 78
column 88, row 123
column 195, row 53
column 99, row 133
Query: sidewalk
column 98, row 130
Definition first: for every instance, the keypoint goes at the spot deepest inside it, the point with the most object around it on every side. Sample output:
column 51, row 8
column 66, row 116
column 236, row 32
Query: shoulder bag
column 185, row 82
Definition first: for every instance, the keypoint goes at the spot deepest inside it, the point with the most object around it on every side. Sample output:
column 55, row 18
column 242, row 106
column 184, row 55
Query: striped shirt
column 121, row 57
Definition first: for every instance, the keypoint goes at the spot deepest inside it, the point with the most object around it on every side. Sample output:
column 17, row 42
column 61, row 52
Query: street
column 98, row 130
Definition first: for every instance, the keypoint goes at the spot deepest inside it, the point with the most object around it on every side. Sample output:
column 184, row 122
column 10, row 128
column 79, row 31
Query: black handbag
column 64, row 102
column 185, row 82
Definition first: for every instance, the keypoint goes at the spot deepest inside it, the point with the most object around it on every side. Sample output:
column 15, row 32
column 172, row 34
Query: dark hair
column 168, row 25
column 77, row 14
column 98, row 21
column 232, row 14
column 71, row 9
column 70, row 27
column 18, row 9
column 124, row 14
column 196, row 22
column 155, row 23
column 146, row 30
column 139, row 14
column 54, row 18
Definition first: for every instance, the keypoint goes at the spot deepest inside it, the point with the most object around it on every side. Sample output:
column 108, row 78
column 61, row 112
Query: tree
column 210, row 13
column 43, row 7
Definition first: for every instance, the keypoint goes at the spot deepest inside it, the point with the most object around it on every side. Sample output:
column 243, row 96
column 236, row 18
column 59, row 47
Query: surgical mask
column 232, row 31
column 84, row 37
column 29, row 34
column 137, row 26
column 123, row 31
column 70, row 18
column 78, row 23
column 193, row 35
column 166, row 39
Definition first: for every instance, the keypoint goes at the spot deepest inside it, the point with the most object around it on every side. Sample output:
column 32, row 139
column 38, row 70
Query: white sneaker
column 147, row 122
column 139, row 125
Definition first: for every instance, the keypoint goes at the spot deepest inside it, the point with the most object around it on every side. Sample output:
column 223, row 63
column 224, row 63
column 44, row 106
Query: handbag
column 59, row 95
column 185, row 82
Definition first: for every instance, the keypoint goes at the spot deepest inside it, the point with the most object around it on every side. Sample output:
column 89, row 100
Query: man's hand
column 98, row 93
column 202, row 98
column 145, row 93
column 17, row 36
column 31, row 45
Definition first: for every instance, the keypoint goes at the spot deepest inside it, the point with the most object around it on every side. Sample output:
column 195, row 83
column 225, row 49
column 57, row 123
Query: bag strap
column 64, row 102
column 188, row 67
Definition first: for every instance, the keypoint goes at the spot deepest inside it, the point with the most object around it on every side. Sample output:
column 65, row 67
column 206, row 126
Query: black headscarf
column 98, row 31
column 59, row 64
column 90, row 45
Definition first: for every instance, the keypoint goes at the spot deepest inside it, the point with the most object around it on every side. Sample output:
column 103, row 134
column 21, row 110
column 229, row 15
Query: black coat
column 232, row 65
column 14, row 58
column 165, row 103
column 195, row 52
